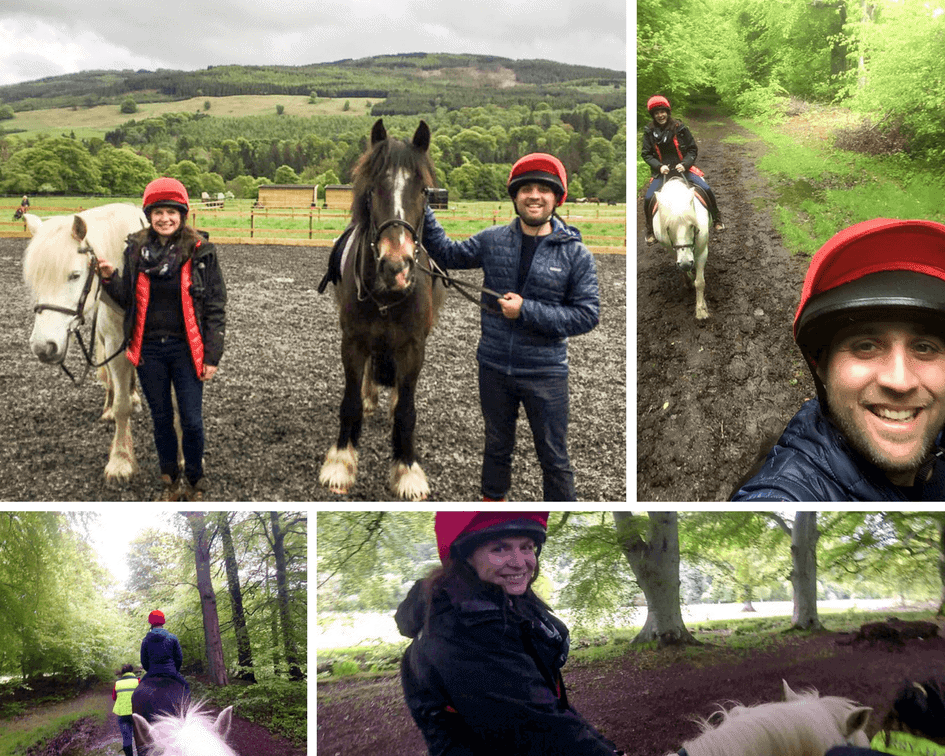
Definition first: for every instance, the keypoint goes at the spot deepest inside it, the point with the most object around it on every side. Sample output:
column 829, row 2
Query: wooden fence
column 603, row 228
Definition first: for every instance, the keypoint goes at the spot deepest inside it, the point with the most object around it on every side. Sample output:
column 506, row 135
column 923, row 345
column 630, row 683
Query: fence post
column 310, row 220
column 252, row 222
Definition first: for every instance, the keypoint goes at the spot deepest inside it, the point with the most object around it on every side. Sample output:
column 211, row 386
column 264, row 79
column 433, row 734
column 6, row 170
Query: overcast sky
column 42, row 38
column 116, row 528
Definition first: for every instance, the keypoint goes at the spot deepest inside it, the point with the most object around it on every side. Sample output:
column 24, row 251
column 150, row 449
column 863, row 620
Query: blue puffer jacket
column 161, row 652
column 813, row 462
column 560, row 293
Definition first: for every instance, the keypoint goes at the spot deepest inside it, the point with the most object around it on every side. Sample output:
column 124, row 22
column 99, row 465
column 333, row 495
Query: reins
column 78, row 319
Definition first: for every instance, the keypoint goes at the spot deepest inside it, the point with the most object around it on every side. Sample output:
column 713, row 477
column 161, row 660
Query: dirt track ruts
column 709, row 392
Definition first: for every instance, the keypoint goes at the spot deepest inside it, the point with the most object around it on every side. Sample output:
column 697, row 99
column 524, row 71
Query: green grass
column 45, row 722
column 821, row 190
column 96, row 121
column 743, row 636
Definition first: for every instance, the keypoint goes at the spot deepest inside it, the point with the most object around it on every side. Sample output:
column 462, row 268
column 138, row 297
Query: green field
column 96, row 121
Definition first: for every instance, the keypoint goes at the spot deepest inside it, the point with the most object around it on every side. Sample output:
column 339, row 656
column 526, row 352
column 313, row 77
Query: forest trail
column 90, row 736
column 709, row 392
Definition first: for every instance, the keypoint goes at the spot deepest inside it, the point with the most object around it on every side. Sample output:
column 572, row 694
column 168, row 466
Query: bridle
column 432, row 269
column 78, row 319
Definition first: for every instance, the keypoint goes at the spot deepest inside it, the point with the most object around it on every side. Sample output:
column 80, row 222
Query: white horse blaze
column 339, row 469
column 409, row 483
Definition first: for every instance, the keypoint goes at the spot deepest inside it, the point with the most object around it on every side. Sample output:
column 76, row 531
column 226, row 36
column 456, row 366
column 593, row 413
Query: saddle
column 652, row 204
column 336, row 257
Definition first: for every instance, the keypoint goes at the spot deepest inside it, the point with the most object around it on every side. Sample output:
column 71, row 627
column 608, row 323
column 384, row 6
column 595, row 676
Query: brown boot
column 193, row 491
column 170, row 489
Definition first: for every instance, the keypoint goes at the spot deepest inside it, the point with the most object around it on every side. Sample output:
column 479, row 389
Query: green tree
column 124, row 174
column 128, row 105
column 285, row 175
column 6, row 113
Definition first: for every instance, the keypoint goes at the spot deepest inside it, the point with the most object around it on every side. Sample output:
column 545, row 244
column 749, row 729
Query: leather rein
column 78, row 319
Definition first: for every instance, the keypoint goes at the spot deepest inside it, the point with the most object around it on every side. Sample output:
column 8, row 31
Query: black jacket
column 659, row 148
column 207, row 289
column 483, row 680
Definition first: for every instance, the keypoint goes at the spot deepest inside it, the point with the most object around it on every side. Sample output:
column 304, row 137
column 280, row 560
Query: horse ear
column 378, row 133
column 224, row 721
column 79, row 229
column 142, row 729
column 789, row 695
column 421, row 137
column 32, row 223
column 857, row 719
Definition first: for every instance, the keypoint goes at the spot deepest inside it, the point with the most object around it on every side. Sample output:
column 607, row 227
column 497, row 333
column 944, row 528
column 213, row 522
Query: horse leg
column 368, row 389
column 702, row 310
column 340, row 467
column 407, row 479
column 142, row 735
column 121, row 458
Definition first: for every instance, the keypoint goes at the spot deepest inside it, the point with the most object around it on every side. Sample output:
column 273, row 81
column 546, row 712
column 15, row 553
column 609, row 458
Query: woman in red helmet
column 668, row 146
column 161, row 654
column 483, row 673
column 548, row 282
column 174, row 298
column 871, row 327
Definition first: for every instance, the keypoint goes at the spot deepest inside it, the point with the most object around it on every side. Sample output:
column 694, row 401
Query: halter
column 78, row 319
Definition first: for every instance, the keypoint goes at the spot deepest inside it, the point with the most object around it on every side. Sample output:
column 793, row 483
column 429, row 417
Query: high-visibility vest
column 904, row 744
column 124, row 687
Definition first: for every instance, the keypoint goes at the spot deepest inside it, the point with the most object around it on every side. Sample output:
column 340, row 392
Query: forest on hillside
column 479, row 128
column 882, row 59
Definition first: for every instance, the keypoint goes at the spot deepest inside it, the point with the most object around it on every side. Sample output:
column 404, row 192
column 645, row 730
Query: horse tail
column 385, row 367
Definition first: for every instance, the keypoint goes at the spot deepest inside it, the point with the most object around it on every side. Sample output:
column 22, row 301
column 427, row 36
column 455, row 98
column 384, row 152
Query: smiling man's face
column 885, row 387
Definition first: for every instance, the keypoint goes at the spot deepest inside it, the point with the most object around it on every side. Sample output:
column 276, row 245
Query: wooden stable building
column 287, row 195
column 339, row 196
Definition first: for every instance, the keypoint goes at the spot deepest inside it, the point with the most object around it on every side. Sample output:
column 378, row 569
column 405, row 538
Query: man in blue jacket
column 549, row 283
column 871, row 326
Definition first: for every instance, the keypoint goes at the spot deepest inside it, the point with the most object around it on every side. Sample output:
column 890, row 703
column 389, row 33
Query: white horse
column 804, row 724
column 192, row 733
column 33, row 222
column 60, row 268
column 681, row 223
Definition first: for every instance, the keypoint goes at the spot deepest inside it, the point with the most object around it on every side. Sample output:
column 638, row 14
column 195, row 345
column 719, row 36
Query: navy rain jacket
column 561, row 293
column 812, row 461
column 161, row 653
column 485, row 680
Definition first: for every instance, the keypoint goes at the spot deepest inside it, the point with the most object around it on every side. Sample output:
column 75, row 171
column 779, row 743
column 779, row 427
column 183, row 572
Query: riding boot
column 714, row 211
column 193, row 491
column 128, row 750
column 170, row 489
column 648, row 219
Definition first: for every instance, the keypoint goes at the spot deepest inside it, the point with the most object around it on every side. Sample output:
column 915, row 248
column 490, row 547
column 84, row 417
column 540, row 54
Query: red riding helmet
column 460, row 533
column 166, row 192
column 156, row 617
column 542, row 168
column 657, row 101
column 870, row 271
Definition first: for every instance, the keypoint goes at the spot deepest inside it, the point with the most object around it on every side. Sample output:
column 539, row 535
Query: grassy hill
column 407, row 80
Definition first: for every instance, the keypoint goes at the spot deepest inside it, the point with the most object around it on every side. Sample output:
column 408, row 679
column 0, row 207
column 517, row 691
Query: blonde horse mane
column 803, row 725
column 52, row 252
column 193, row 732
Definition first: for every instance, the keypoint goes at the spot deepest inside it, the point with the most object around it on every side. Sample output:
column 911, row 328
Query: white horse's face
column 683, row 238
column 49, row 340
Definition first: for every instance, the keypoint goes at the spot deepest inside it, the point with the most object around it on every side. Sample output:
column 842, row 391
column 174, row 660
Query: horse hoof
column 339, row 469
column 702, row 314
column 119, row 472
column 409, row 483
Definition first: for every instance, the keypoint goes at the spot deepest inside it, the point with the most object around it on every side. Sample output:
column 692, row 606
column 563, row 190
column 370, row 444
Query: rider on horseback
column 161, row 654
column 669, row 146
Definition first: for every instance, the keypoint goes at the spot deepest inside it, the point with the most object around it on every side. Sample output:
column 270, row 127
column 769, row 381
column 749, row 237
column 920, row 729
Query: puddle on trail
column 796, row 193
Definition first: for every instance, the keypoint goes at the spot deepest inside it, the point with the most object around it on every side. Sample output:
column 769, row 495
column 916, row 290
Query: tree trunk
column 655, row 564
column 244, row 651
column 208, row 599
column 804, row 537
column 285, row 618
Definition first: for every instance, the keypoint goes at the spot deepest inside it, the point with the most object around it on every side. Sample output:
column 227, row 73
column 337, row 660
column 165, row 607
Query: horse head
column 390, row 183
column 59, row 266
column 190, row 732
column 676, row 224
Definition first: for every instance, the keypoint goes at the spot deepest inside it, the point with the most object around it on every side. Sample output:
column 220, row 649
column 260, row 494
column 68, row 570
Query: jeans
column 545, row 399
column 126, row 725
column 163, row 363
column 657, row 183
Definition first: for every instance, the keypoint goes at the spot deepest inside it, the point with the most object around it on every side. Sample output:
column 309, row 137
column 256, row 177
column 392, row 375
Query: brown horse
column 387, row 306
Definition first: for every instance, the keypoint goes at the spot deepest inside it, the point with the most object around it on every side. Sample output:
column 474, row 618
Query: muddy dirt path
column 645, row 702
column 709, row 392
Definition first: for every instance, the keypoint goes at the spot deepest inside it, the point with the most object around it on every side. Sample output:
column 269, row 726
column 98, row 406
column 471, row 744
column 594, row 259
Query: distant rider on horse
column 669, row 146
column 161, row 654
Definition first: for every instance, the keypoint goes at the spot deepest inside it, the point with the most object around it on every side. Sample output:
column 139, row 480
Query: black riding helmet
column 882, row 269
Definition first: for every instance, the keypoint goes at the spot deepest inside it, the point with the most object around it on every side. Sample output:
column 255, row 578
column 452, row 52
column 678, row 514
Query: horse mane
column 52, row 250
column 805, row 726
column 369, row 167
column 191, row 732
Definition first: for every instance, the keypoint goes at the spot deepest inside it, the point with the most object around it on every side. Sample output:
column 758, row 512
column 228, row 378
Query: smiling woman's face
column 508, row 562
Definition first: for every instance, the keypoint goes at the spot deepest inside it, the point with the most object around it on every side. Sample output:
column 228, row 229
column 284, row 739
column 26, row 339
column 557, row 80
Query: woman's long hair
column 919, row 709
